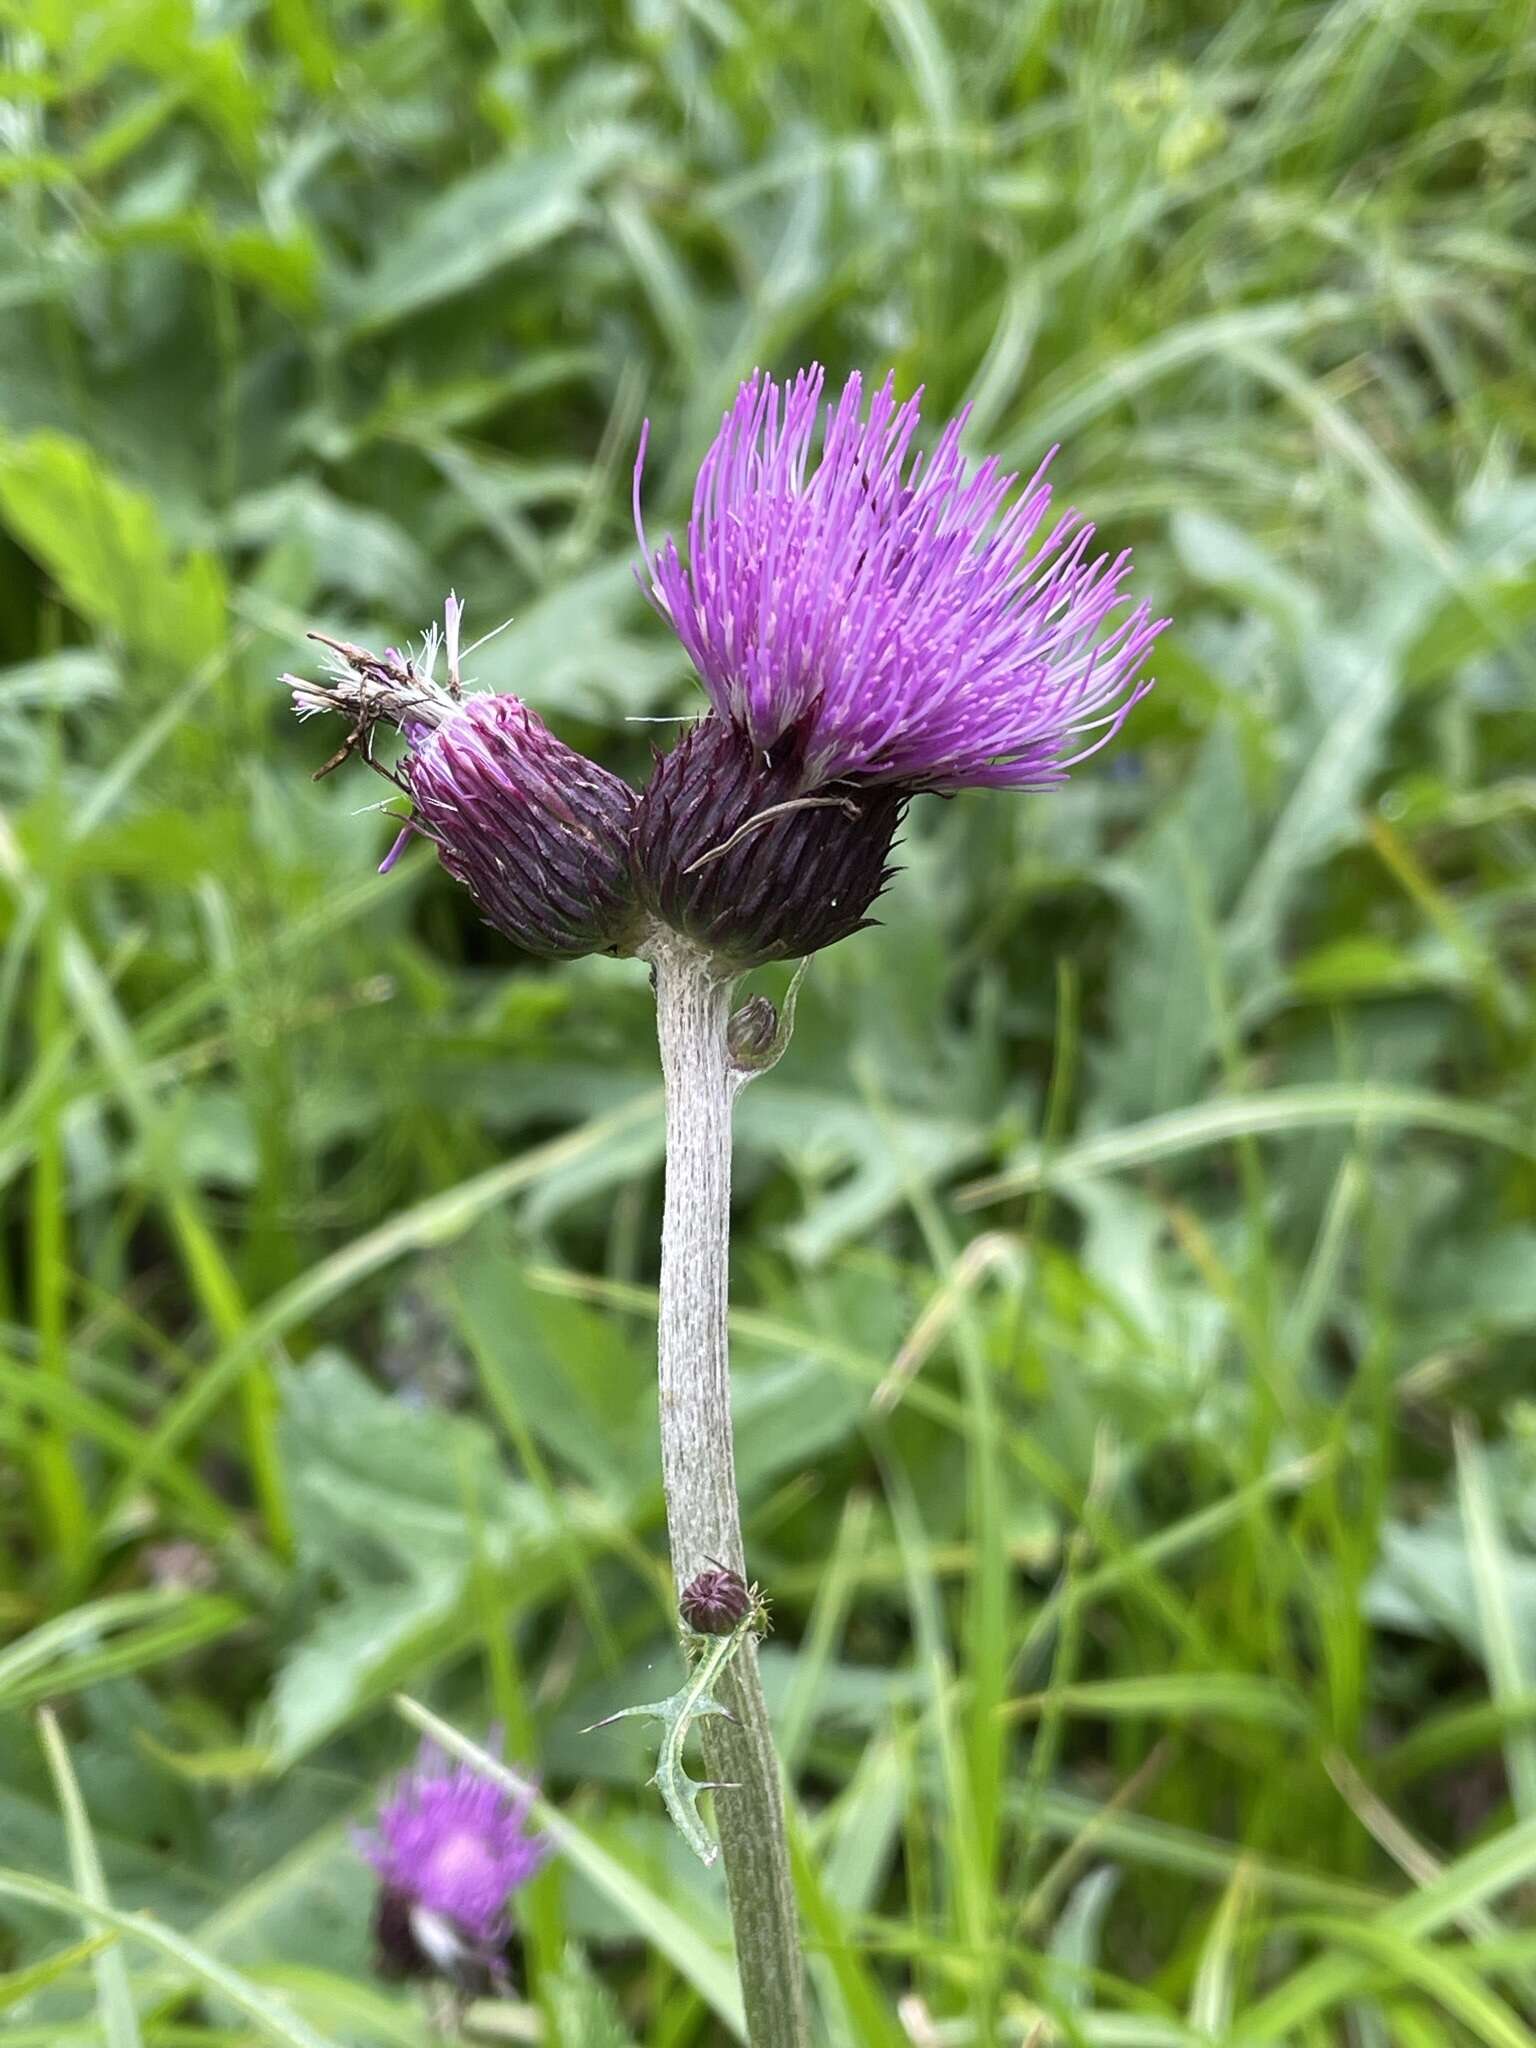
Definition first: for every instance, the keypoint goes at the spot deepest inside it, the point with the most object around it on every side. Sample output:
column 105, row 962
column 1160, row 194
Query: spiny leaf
column 692, row 1702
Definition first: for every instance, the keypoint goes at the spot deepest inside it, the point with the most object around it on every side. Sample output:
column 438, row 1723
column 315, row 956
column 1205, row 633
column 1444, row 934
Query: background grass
column 1137, row 1261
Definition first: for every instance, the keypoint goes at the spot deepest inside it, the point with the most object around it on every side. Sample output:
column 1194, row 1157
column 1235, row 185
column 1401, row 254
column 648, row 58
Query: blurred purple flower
column 451, row 1847
column 882, row 617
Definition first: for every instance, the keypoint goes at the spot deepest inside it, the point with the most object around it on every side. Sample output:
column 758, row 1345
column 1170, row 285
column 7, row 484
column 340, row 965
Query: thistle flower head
column 450, row 1848
column 891, row 616
column 536, row 832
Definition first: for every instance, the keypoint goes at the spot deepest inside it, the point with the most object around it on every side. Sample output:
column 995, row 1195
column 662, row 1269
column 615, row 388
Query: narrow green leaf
column 114, row 1994
column 188, row 1623
column 270, row 2014
column 1484, row 1873
column 1445, row 1976
column 1223, row 1695
column 1310, row 1106
column 17, row 1985
column 1503, row 1655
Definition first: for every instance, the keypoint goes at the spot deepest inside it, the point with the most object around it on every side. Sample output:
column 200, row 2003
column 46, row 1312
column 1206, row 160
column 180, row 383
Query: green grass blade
column 1314, row 1106
column 1503, row 1655
column 1492, row 1868
column 114, row 1994
column 270, row 2015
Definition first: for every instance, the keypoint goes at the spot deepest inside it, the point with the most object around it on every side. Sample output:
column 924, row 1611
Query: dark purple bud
column 753, row 1029
column 714, row 1602
column 731, row 850
column 536, row 832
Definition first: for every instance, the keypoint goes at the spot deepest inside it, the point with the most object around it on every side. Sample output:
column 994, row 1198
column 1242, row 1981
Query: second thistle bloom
column 868, row 622
column 450, row 1848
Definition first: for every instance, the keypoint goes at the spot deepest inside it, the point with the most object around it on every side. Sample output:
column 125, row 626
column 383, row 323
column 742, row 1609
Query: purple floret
column 891, row 612
column 454, row 1843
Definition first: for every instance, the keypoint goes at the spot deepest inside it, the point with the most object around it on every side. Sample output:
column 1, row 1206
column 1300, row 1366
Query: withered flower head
column 536, row 832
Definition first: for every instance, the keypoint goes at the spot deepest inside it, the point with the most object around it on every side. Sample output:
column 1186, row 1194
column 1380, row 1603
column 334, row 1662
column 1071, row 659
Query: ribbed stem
column 699, row 1474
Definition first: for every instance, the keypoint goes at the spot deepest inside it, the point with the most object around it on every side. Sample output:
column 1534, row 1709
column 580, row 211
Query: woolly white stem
column 699, row 1474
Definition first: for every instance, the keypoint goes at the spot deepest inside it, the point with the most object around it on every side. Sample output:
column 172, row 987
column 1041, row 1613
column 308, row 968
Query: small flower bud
column 536, row 832
column 752, row 1030
column 715, row 1601
column 730, row 851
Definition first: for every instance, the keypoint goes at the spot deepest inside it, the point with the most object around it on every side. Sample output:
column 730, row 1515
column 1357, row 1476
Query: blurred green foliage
column 1136, row 1268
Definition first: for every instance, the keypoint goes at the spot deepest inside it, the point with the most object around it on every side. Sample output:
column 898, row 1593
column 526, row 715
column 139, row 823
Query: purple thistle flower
column 450, row 1848
column 890, row 613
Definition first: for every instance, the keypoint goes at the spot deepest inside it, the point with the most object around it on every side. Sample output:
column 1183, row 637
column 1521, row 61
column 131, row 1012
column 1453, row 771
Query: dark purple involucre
column 891, row 610
column 536, row 832
column 728, row 850
column 450, row 1843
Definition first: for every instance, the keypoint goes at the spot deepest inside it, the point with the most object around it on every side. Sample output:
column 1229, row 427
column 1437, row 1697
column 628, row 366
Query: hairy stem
column 699, row 1473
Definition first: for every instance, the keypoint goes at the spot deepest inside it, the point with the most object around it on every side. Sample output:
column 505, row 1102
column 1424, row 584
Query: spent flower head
column 536, row 832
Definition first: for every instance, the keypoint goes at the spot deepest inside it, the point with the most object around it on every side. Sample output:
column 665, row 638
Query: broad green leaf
column 105, row 547
column 353, row 548
column 391, row 1504
column 508, row 210
column 1175, row 880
